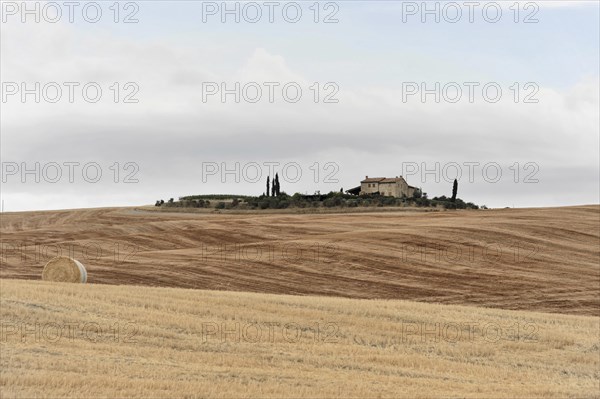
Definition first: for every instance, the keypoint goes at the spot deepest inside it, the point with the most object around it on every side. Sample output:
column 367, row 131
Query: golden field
column 378, row 304
column 70, row 340
column 543, row 259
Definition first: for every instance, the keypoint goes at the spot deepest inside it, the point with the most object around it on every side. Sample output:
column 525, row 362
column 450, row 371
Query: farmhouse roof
column 372, row 179
column 383, row 180
column 393, row 180
column 355, row 190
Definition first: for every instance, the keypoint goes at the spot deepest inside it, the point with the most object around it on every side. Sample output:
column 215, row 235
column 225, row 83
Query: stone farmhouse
column 386, row 186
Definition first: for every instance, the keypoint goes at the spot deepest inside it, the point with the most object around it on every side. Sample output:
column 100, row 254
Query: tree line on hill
column 274, row 198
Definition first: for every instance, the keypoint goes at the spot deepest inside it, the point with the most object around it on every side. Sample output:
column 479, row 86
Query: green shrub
column 352, row 203
column 330, row 200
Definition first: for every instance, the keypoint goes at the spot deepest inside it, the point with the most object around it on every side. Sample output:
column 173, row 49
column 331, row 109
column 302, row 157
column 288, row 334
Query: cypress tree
column 454, row 190
column 268, row 186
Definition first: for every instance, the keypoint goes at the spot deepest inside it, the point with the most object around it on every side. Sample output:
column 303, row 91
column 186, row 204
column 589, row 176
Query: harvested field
column 544, row 260
column 73, row 340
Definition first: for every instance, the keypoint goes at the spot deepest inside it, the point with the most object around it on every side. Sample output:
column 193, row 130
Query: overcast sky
column 535, row 144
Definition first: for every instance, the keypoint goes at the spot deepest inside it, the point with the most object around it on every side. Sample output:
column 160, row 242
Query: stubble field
column 543, row 259
column 498, row 303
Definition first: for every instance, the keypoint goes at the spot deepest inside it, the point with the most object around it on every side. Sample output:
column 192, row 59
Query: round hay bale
column 64, row 269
